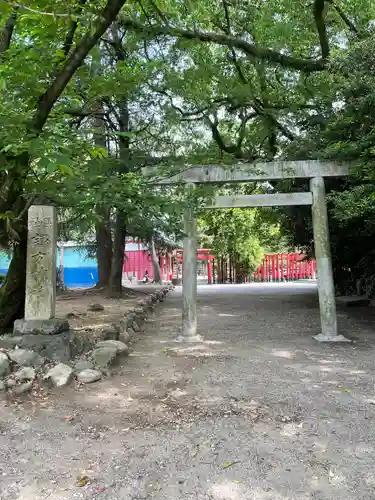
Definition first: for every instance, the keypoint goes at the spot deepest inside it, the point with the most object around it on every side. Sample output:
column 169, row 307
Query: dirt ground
column 74, row 304
column 258, row 411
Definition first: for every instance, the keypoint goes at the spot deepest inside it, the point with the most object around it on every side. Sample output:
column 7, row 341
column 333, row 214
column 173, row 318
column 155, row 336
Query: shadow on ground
column 258, row 411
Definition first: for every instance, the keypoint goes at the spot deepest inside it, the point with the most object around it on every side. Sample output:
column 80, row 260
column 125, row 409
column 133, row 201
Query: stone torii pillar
column 326, row 289
column 189, row 277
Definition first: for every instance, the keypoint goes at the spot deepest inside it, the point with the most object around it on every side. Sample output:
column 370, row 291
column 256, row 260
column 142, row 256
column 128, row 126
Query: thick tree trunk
column 155, row 263
column 103, row 247
column 124, row 154
column 115, row 286
column 12, row 293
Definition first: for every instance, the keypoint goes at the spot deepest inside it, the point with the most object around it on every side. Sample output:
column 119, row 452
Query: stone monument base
column 51, row 338
column 51, row 326
column 54, row 347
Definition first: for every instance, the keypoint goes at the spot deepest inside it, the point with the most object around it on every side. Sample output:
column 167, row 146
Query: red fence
column 285, row 267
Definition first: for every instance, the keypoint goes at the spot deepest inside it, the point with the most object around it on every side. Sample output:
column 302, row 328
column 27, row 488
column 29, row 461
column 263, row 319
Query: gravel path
column 258, row 411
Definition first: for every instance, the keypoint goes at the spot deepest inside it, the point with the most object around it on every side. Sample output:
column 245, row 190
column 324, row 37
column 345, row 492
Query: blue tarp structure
column 80, row 271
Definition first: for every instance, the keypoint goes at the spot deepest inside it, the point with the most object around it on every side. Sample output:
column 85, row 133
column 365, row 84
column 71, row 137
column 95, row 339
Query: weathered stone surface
column 88, row 376
column 40, row 326
column 123, row 325
column 56, row 347
column 150, row 304
column 124, row 337
column 60, row 375
column 25, row 357
column 10, row 383
column 128, row 320
column 17, row 390
column 326, row 289
column 4, row 365
column 120, row 347
column 110, row 333
column 95, row 307
column 82, row 364
column 40, row 295
column 140, row 313
column 133, row 322
column 154, row 298
column 136, row 326
column 25, row 373
column 246, row 173
column 2, row 386
column 9, row 341
column 22, row 388
column 80, row 342
column 104, row 356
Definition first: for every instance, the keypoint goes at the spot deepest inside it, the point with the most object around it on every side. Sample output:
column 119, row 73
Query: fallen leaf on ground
column 82, row 481
column 226, row 465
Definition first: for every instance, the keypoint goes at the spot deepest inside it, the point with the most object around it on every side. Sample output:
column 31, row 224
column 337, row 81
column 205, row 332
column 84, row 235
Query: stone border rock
column 21, row 367
column 117, row 338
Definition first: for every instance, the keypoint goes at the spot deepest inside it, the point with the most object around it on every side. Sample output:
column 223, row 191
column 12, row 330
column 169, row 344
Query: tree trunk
column 12, row 293
column 220, row 270
column 124, row 154
column 115, row 286
column 155, row 263
column 103, row 247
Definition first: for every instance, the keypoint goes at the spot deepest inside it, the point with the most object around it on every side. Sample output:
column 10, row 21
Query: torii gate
column 202, row 254
column 215, row 174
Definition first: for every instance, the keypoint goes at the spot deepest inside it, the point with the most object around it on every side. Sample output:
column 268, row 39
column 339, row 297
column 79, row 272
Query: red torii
column 202, row 254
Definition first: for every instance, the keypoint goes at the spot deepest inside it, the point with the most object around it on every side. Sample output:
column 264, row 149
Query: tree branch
column 345, row 18
column 159, row 12
column 318, row 9
column 6, row 32
column 40, row 12
column 251, row 50
column 235, row 149
column 73, row 28
column 242, row 128
column 48, row 99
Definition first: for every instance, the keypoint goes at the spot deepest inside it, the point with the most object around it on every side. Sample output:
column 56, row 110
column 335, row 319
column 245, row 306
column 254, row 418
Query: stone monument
column 40, row 324
column 40, row 298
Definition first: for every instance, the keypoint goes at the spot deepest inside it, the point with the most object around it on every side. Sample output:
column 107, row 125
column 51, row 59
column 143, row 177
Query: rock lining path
column 259, row 411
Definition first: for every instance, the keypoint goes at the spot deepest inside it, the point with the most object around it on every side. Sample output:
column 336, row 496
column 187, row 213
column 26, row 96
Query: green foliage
column 186, row 82
column 244, row 235
column 344, row 132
